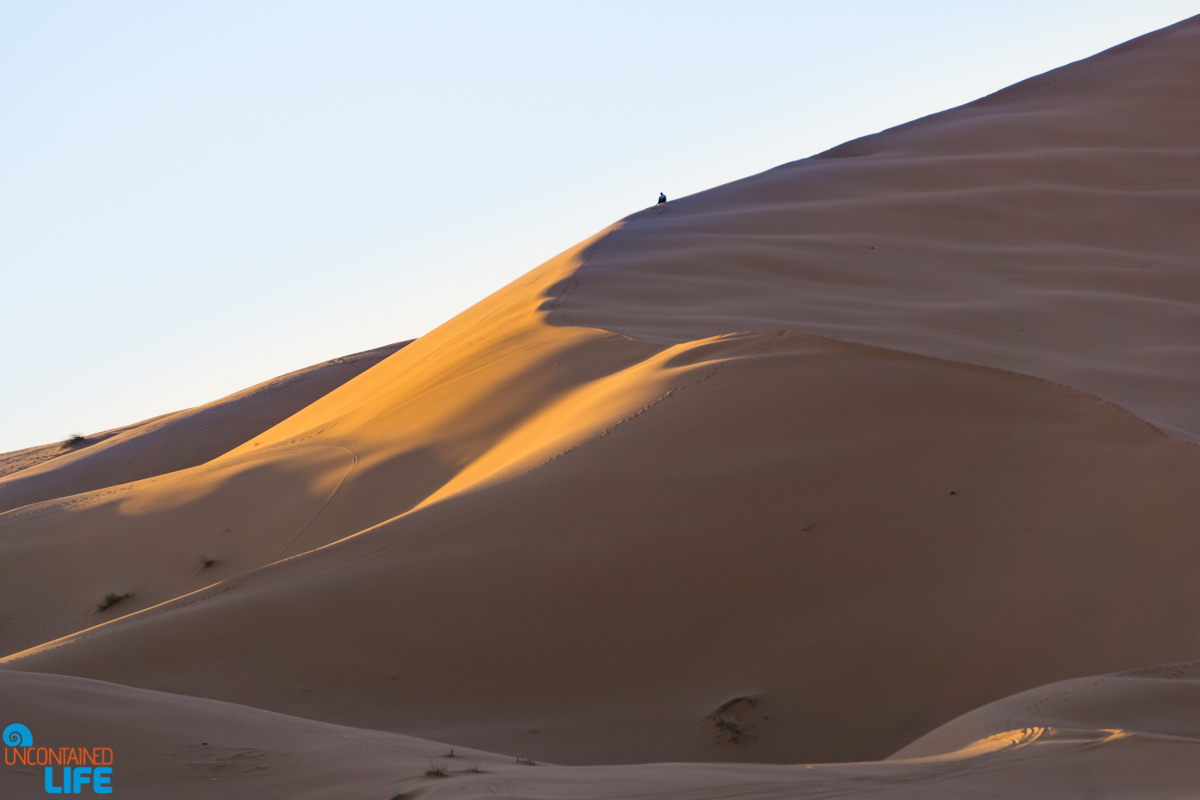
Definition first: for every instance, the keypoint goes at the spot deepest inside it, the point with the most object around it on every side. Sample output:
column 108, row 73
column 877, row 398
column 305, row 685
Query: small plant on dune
column 475, row 768
column 437, row 769
column 110, row 600
column 73, row 441
column 207, row 561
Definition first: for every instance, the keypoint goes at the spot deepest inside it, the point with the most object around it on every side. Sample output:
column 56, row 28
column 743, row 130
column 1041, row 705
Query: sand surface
column 1049, row 229
column 861, row 457
column 169, row 746
column 170, row 442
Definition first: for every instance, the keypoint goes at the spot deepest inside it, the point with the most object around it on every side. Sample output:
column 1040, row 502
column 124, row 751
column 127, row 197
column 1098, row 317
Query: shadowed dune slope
column 170, row 746
column 167, row 745
column 173, row 441
column 1049, row 229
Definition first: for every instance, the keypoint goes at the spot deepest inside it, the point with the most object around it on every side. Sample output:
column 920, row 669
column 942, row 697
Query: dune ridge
column 171, row 442
column 1046, row 229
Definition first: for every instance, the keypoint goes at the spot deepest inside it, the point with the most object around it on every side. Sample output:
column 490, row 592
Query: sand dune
column 1158, row 701
column 800, row 469
column 863, row 543
column 1047, row 229
column 171, row 746
column 173, row 441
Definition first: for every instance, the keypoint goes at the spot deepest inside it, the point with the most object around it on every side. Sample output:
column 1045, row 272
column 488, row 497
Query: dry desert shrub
column 110, row 600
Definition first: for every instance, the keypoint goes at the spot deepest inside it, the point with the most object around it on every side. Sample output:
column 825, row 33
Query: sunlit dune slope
column 436, row 413
column 173, row 441
column 167, row 745
column 1050, row 228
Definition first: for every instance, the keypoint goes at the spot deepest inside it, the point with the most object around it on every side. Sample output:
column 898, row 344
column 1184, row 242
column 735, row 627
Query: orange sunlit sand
column 844, row 479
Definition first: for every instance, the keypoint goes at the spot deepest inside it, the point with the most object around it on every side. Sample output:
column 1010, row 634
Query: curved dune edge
column 1160, row 701
column 375, row 447
column 188, row 747
column 1046, row 229
column 995, row 743
column 171, row 442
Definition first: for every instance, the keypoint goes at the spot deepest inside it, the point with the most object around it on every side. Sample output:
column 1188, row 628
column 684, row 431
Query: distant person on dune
column 662, row 198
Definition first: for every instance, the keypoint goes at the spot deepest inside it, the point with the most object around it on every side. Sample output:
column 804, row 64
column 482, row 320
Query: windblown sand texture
column 876, row 455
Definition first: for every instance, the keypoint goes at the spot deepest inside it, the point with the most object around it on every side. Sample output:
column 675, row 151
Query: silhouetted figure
column 662, row 198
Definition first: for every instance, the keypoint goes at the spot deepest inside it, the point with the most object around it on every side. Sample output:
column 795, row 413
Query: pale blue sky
column 197, row 197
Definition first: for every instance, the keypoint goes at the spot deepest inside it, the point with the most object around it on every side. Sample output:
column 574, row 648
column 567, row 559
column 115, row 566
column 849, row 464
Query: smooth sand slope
column 1049, row 228
column 173, row 441
column 1119, row 735
column 631, row 508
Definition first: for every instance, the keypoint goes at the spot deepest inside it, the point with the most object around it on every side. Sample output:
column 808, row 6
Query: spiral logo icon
column 18, row 736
